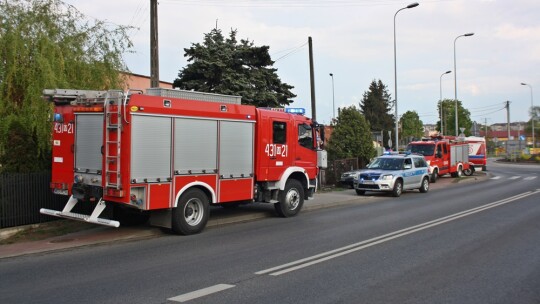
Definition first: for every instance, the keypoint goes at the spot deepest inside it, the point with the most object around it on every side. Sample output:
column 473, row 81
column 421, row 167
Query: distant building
column 520, row 125
column 142, row 82
column 430, row 129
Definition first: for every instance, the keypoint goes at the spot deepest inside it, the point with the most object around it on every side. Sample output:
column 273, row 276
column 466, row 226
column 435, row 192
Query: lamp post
column 532, row 107
column 440, row 98
column 415, row 4
column 455, row 78
column 333, row 97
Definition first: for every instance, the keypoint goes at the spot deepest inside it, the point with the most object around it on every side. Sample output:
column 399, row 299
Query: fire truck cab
column 167, row 155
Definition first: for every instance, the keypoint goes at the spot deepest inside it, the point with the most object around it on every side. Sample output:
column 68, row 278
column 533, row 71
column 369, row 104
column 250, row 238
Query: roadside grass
column 46, row 230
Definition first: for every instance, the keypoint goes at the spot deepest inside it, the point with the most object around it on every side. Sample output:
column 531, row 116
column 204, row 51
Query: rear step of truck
column 93, row 218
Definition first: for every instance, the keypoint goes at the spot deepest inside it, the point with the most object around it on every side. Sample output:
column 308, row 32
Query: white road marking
column 328, row 255
column 514, row 177
column 200, row 293
column 529, row 177
column 496, row 177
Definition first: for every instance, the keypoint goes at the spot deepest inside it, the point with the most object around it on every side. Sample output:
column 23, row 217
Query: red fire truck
column 444, row 156
column 167, row 155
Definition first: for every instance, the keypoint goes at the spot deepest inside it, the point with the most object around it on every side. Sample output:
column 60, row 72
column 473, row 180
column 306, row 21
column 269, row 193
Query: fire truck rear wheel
column 291, row 199
column 468, row 172
column 191, row 214
column 458, row 173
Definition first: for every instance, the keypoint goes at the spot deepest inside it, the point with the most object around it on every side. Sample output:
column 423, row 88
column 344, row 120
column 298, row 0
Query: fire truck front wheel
column 291, row 199
column 191, row 214
column 434, row 175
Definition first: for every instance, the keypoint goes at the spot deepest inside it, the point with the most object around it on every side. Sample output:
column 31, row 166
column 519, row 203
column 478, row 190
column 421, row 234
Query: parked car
column 393, row 173
column 347, row 178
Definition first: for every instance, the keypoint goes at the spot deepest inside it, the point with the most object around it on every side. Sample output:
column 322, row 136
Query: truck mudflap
column 93, row 218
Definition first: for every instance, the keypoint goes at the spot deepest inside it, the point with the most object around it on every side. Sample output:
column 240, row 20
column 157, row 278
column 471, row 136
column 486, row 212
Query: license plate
column 60, row 191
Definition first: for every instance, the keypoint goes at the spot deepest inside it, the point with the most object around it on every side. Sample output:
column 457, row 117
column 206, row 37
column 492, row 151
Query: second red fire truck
column 444, row 156
column 167, row 155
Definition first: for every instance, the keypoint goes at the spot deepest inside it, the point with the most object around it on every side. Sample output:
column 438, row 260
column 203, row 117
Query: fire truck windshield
column 424, row 149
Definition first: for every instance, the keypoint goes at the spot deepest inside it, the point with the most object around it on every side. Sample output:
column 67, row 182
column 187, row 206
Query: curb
column 103, row 235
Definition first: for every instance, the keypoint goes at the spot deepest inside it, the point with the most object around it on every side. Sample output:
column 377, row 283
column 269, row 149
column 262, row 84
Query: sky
column 354, row 40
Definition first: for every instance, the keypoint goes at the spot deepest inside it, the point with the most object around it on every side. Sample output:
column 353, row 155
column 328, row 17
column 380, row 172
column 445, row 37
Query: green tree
column 48, row 44
column 449, row 118
column 226, row 66
column 534, row 112
column 411, row 126
column 376, row 106
column 351, row 137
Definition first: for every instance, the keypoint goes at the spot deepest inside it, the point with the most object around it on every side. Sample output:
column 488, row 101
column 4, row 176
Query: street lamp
column 333, row 99
column 532, row 108
column 415, row 4
column 455, row 78
column 440, row 98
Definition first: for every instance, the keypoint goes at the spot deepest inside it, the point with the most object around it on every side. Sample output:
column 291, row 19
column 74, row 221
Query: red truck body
column 169, row 154
column 443, row 156
column 477, row 152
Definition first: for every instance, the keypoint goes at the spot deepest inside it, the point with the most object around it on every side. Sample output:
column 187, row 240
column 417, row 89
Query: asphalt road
column 465, row 243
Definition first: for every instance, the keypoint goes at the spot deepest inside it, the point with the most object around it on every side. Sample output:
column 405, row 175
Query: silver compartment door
column 150, row 148
column 88, row 142
column 236, row 149
column 195, row 146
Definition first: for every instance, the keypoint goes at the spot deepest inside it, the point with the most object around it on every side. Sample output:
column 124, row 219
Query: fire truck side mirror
column 320, row 136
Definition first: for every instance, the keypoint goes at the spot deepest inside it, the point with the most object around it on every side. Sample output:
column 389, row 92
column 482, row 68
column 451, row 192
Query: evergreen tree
column 48, row 44
column 226, row 66
column 351, row 137
column 376, row 106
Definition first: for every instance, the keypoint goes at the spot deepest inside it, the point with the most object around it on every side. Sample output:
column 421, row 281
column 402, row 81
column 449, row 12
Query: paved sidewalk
column 218, row 217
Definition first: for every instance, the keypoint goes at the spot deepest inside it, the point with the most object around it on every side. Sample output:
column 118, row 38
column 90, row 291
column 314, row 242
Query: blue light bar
column 300, row 111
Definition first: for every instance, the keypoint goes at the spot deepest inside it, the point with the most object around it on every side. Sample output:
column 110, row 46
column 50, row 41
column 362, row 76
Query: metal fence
column 23, row 194
column 337, row 167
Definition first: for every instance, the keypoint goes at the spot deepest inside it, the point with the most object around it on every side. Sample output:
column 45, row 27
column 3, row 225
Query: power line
column 296, row 50
column 295, row 3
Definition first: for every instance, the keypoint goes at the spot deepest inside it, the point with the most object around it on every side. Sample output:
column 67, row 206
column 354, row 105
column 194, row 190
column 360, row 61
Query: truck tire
column 191, row 214
column 398, row 188
column 425, row 185
column 469, row 172
column 484, row 168
column 291, row 199
column 434, row 176
column 129, row 216
column 459, row 172
column 360, row 192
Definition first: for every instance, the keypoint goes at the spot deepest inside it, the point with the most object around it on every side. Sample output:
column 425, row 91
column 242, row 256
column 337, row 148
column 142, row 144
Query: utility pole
column 312, row 80
column 154, row 48
column 485, row 135
column 507, row 126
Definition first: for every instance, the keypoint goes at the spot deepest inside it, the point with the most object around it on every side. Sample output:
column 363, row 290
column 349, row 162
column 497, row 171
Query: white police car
column 394, row 173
